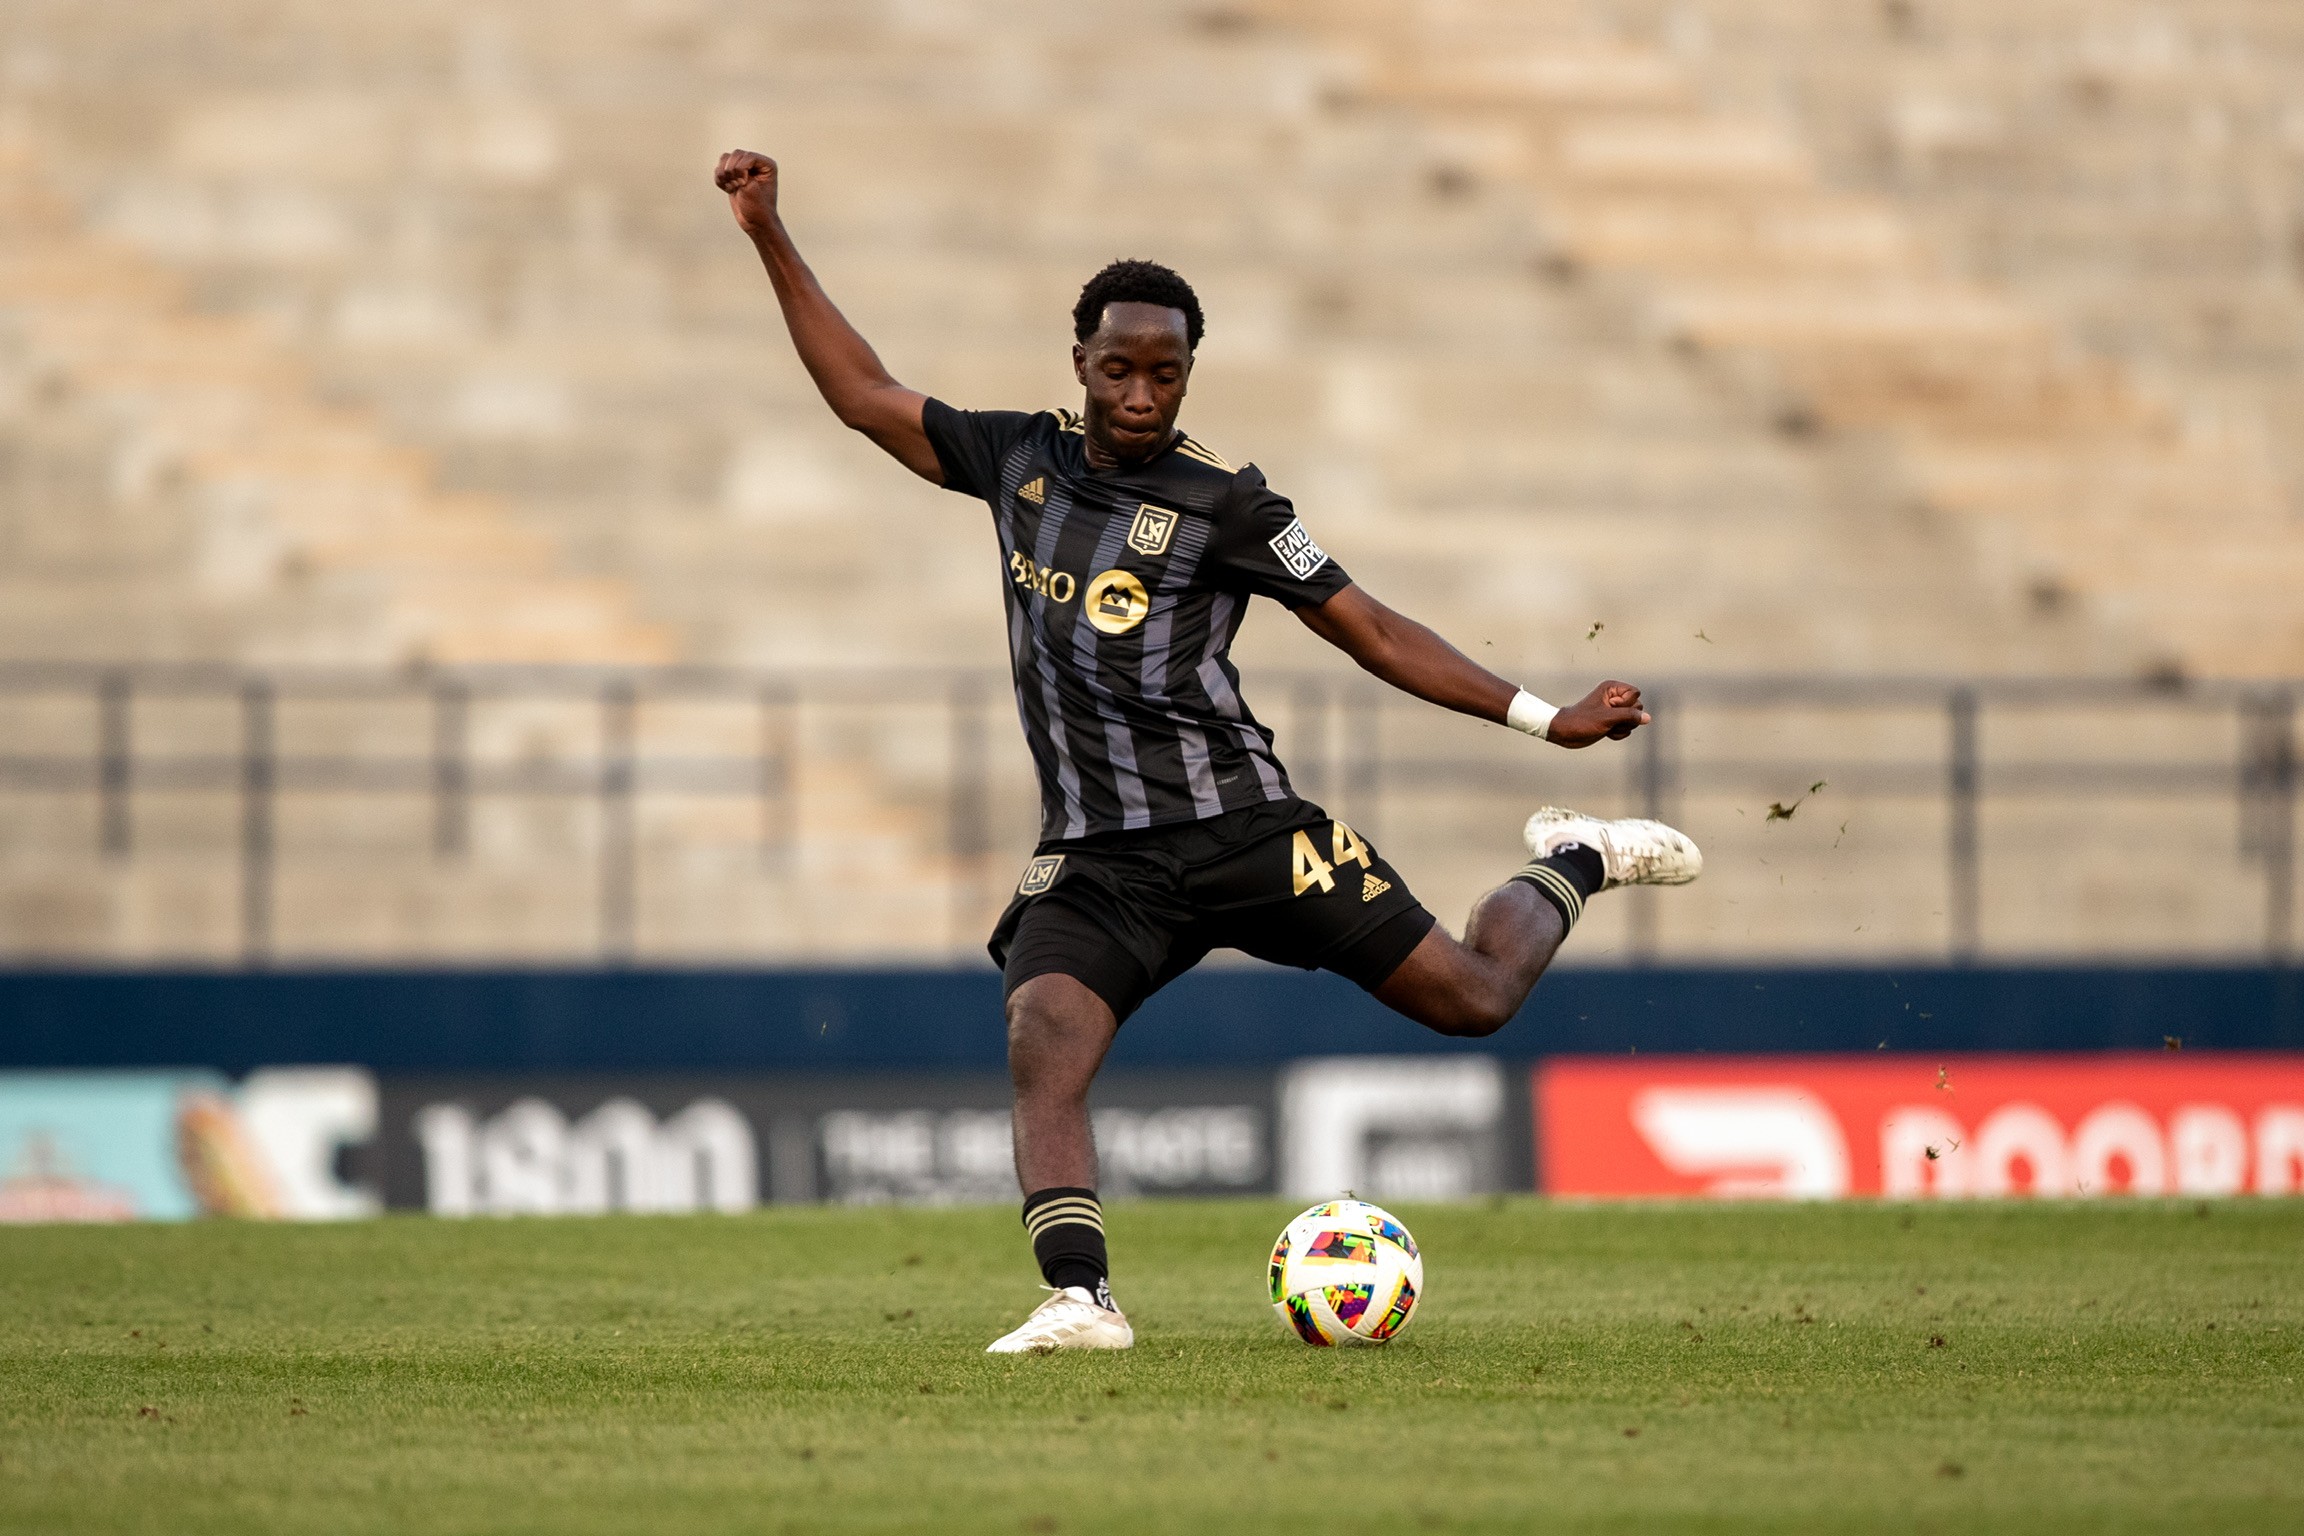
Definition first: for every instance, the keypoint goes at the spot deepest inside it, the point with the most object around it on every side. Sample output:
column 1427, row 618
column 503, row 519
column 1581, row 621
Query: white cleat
column 1632, row 851
column 1068, row 1319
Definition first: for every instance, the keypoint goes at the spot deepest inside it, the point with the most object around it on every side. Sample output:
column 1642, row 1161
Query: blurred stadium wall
column 385, row 401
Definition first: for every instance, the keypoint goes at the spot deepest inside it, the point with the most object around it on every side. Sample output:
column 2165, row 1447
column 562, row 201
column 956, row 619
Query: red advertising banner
column 1913, row 1127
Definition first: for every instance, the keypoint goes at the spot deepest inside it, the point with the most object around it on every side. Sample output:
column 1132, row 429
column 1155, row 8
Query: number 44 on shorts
column 1344, row 847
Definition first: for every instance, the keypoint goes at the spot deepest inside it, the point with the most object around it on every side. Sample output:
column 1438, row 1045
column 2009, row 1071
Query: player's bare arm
column 1409, row 656
column 848, row 373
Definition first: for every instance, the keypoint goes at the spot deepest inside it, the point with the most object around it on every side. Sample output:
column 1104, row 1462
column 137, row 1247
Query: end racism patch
column 1296, row 550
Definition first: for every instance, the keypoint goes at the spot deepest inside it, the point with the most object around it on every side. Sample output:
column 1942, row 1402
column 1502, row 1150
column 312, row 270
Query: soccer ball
column 1345, row 1272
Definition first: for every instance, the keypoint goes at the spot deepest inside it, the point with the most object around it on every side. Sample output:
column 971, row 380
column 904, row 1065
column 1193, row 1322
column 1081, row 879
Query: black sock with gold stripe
column 1067, row 1227
column 1566, row 877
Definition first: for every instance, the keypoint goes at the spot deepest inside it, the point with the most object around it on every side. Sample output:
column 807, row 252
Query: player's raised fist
column 1611, row 710
column 749, row 179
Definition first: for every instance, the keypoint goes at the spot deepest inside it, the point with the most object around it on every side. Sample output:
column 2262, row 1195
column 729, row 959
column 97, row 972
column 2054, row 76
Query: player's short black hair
column 1137, row 282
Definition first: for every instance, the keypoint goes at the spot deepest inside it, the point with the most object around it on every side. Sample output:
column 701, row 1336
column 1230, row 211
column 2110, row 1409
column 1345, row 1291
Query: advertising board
column 328, row 1142
column 164, row 1146
column 1914, row 1127
column 540, row 1145
column 1398, row 1128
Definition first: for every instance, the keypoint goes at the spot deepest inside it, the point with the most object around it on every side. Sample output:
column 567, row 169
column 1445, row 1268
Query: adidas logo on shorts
column 1371, row 887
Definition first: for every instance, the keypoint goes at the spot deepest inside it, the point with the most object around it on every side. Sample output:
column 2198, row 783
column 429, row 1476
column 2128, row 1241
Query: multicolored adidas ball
column 1346, row 1272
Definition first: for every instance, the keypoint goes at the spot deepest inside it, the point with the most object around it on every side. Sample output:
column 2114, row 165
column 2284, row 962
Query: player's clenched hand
column 749, row 179
column 1611, row 710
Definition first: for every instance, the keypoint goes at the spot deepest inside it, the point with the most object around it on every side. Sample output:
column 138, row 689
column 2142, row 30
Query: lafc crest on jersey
column 1153, row 528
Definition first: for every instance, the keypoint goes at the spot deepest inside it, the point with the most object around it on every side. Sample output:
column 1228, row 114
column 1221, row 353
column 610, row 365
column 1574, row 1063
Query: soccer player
column 1167, row 825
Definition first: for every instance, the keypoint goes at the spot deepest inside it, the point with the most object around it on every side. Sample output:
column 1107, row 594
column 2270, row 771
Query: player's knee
column 1468, row 1006
column 1470, row 1010
column 1045, row 1047
column 1476, row 1019
column 1030, row 1033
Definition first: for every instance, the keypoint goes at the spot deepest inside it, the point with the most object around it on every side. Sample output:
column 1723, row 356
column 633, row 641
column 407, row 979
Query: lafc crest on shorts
column 1040, row 874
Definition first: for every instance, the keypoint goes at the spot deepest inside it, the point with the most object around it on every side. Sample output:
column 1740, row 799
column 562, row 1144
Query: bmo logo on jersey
column 1296, row 550
column 1056, row 586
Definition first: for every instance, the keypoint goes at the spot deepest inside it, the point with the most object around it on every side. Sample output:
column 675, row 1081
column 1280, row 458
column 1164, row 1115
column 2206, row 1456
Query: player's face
column 1134, row 368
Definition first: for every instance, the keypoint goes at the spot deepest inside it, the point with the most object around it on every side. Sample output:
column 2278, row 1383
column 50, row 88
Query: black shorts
column 1125, row 913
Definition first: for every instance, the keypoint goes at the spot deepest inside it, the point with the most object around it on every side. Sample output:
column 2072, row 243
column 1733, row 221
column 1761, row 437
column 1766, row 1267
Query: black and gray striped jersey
column 1125, row 589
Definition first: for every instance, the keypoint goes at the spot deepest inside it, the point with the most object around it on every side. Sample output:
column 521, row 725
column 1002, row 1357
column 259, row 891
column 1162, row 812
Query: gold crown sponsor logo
column 1040, row 874
column 1116, row 602
column 1034, row 490
column 1153, row 528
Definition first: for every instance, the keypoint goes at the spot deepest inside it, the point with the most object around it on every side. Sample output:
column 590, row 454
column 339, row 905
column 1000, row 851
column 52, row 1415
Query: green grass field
column 1956, row 1368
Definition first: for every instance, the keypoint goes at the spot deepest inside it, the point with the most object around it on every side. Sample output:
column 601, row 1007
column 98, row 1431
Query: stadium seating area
column 1640, row 337
column 2127, row 173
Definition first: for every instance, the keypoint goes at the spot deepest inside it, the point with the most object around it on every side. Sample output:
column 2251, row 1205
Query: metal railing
column 1333, row 728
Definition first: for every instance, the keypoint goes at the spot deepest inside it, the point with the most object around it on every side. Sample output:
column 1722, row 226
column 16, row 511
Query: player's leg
column 1334, row 902
column 1058, row 1032
column 1475, row 986
column 1070, row 984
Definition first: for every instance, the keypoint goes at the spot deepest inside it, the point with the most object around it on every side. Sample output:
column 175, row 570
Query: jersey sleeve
column 1263, row 547
column 970, row 444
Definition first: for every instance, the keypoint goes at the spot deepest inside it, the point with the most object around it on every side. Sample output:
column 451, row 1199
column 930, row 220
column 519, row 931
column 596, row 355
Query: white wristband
column 1531, row 714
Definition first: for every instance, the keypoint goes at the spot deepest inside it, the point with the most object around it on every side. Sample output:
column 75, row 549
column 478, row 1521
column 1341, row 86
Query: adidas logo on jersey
column 1371, row 887
column 1034, row 490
